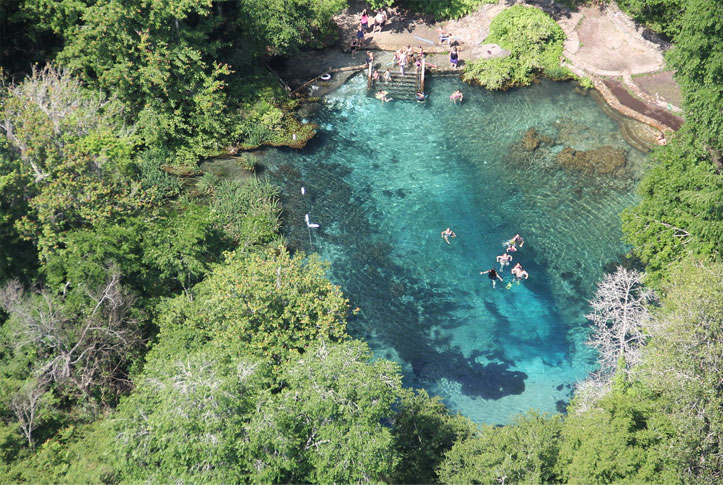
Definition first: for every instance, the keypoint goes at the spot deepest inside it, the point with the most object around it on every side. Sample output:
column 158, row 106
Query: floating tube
column 325, row 77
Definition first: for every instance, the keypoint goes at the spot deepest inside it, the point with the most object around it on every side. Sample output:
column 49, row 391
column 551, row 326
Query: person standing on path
column 379, row 20
column 364, row 20
column 453, row 57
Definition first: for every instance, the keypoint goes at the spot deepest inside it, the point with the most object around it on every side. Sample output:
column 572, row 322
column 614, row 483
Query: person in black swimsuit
column 492, row 275
column 453, row 57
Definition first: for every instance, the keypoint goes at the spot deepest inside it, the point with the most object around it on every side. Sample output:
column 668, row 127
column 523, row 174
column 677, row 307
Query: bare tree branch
column 619, row 316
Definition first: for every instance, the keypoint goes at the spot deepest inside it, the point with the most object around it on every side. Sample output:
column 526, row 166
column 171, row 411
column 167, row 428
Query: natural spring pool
column 383, row 181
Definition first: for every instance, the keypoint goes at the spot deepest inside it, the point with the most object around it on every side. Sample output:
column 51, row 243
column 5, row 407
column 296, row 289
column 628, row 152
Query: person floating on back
column 447, row 233
column 493, row 276
column 382, row 96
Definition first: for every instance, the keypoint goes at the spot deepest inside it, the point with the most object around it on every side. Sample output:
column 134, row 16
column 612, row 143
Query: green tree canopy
column 522, row 452
column 681, row 211
column 682, row 369
column 266, row 304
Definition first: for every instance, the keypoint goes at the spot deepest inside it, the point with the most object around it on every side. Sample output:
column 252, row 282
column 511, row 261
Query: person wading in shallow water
column 447, row 233
column 492, row 275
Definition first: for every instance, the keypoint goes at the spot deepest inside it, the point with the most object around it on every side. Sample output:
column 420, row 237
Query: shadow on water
column 396, row 292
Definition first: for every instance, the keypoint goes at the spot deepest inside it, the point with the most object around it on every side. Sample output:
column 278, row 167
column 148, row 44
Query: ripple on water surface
column 384, row 180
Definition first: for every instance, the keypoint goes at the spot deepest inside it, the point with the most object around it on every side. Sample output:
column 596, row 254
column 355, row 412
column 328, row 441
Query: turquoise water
column 383, row 181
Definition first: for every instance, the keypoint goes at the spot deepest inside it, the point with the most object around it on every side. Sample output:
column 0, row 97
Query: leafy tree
column 325, row 426
column 681, row 211
column 284, row 26
column 57, row 16
column 697, row 57
column 660, row 15
column 77, row 454
column 180, row 246
column 535, row 43
column 682, row 367
column 523, row 452
column 184, row 421
column 424, row 431
column 158, row 58
column 17, row 256
column 267, row 304
column 440, row 9
column 614, row 442
column 72, row 153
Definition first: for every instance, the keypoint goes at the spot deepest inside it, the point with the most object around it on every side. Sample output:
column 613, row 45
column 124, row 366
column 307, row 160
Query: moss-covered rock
column 531, row 140
column 605, row 160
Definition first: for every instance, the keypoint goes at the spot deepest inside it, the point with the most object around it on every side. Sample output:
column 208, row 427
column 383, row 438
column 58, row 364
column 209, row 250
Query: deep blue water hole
column 383, row 180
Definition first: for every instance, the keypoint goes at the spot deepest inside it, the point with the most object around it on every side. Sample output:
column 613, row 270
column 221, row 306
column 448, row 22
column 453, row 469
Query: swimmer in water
column 447, row 233
column 519, row 272
column 511, row 248
column 516, row 240
column 456, row 96
column 493, row 276
column 504, row 260
column 382, row 96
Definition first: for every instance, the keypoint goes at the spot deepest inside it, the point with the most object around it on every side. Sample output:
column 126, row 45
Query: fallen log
column 330, row 71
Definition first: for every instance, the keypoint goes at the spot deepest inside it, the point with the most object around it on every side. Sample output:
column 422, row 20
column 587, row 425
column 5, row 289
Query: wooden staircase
column 401, row 86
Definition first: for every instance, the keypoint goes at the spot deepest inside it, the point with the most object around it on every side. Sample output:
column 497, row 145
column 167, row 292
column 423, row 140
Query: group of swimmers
column 421, row 97
column 504, row 259
column 518, row 272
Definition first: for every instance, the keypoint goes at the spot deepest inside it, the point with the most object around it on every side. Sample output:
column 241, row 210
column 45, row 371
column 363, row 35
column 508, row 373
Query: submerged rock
column 532, row 139
column 604, row 160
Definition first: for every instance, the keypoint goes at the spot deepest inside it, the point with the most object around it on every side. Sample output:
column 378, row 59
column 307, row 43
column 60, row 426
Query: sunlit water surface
column 383, row 181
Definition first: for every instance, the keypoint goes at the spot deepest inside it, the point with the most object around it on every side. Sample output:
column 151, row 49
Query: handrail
column 422, row 83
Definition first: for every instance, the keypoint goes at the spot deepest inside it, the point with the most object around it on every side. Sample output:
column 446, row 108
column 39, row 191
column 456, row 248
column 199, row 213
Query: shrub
column 442, row 9
column 535, row 43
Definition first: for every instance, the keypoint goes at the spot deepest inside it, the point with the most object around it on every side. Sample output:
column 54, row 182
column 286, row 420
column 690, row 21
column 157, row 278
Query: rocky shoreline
column 603, row 44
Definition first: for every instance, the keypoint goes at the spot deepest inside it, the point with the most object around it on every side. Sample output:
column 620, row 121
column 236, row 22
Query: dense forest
column 152, row 333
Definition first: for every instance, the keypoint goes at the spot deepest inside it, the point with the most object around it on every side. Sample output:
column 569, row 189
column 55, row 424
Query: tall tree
column 697, row 57
column 681, row 211
column 682, row 366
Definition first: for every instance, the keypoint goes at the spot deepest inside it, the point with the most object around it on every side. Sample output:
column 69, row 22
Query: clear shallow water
column 384, row 180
